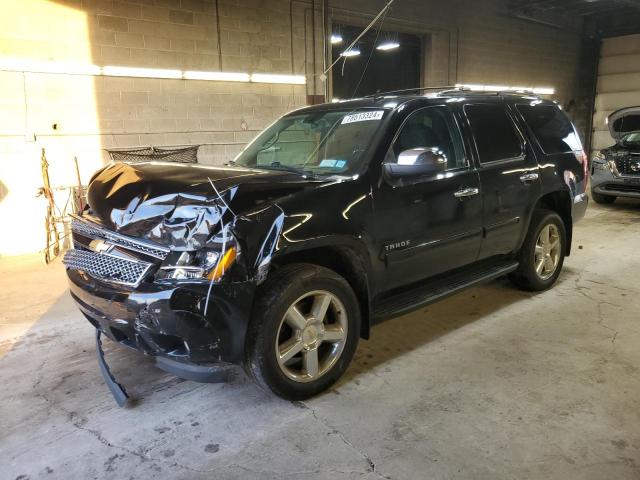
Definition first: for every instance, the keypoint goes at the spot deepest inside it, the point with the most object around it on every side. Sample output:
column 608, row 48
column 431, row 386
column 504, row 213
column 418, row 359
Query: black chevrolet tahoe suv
column 334, row 218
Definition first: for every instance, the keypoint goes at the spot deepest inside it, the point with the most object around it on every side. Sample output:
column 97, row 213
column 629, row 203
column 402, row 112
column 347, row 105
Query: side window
column 494, row 132
column 432, row 129
column 551, row 127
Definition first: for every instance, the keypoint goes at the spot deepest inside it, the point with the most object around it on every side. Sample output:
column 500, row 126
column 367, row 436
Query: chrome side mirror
column 417, row 162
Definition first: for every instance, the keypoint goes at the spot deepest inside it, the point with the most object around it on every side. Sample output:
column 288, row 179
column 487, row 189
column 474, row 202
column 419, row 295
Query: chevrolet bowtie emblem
column 100, row 246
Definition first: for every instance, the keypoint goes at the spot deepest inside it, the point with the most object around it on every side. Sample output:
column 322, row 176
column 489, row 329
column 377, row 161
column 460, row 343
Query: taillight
column 582, row 158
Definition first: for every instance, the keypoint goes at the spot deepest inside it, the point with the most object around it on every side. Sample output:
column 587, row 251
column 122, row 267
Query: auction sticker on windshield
column 363, row 116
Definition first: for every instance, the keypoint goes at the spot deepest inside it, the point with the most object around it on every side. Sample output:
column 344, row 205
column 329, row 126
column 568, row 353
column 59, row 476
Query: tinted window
column 554, row 131
column 432, row 128
column 495, row 135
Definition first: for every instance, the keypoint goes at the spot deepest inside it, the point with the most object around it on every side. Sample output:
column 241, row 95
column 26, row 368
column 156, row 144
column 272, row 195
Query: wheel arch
column 558, row 201
column 347, row 262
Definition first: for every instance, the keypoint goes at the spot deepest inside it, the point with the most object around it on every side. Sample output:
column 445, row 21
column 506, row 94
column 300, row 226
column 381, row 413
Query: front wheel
column 304, row 331
column 542, row 253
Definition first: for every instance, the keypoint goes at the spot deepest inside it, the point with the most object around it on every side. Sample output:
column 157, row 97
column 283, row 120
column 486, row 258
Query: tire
column 274, row 324
column 528, row 276
column 602, row 199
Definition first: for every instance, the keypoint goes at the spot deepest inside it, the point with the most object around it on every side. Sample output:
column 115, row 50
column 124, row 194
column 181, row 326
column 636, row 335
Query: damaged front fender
column 193, row 215
column 192, row 208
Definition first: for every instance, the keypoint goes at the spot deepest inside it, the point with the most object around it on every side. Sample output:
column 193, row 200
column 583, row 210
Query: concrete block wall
column 478, row 42
column 497, row 49
column 81, row 115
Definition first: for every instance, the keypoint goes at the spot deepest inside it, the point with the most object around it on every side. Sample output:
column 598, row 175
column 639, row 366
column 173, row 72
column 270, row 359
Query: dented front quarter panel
column 181, row 206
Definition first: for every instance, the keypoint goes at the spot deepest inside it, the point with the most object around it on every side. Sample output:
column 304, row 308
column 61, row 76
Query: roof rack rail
column 494, row 93
column 447, row 90
column 524, row 91
column 406, row 90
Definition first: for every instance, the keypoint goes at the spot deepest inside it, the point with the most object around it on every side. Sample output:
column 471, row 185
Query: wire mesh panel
column 107, row 267
column 178, row 155
column 91, row 230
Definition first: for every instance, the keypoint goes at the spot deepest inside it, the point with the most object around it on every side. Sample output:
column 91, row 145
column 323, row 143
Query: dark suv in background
column 334, row 218
column 616, row 169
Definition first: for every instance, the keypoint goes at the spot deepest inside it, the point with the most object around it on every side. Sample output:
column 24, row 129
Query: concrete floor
column 492, row 383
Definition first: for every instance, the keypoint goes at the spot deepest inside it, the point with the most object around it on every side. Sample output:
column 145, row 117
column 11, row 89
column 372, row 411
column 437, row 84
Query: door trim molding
column 495, row 226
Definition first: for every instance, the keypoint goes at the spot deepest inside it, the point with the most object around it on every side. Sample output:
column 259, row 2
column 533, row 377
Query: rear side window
column 551, row 127
column 494, row 132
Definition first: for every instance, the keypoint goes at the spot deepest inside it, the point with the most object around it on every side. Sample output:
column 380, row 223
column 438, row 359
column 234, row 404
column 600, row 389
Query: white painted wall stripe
column 69, row 68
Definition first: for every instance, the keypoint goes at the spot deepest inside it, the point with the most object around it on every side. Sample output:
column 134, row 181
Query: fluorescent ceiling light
column 271, row 78
column 336, row 38
column 354, row 52
column 140, row 72
column 502, row 88
column 219, row 76
column 544, row 91
column 388, row 46
column 68, row 68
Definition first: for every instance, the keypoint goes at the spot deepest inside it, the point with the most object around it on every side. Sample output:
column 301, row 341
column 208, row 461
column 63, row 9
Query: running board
column 439, row 288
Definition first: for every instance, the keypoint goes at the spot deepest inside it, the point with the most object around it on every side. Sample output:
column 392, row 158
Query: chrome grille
column 90, row 229
column 107, row 267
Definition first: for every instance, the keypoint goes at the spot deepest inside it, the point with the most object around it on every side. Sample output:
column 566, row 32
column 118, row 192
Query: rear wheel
column 542, row 253
column 304, row 331
column 602, row 199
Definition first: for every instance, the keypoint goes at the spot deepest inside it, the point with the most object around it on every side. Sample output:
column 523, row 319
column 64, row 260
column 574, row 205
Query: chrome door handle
column 466, row 192
column 529, row 177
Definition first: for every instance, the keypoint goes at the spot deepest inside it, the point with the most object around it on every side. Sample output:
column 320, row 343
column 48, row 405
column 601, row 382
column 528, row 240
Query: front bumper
column 169, row 321
column 605, row 182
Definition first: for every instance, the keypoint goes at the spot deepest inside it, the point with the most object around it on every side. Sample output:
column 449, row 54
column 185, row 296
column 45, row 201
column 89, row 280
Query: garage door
column 618, row 83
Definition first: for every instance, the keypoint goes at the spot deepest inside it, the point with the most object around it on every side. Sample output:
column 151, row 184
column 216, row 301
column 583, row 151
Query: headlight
column 198, row 265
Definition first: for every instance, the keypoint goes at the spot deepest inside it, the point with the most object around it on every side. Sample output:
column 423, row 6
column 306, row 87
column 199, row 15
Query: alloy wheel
column 311, row 336
column 547, row 252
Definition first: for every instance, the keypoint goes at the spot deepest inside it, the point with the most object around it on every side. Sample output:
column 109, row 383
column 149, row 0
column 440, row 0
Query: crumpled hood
column 178, row 205
column 623, row 121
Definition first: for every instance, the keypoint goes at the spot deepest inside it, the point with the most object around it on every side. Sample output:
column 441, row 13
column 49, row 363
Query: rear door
column 562, row 159
column 509, row 174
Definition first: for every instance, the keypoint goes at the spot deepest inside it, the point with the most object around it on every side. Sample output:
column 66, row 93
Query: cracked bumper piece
column 168, row 321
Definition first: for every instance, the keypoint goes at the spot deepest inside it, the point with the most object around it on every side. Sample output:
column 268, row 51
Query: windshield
column 631, row 138
column 319, row 143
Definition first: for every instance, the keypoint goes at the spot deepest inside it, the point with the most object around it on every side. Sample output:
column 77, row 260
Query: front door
column 509, row 174
column 429, row 224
